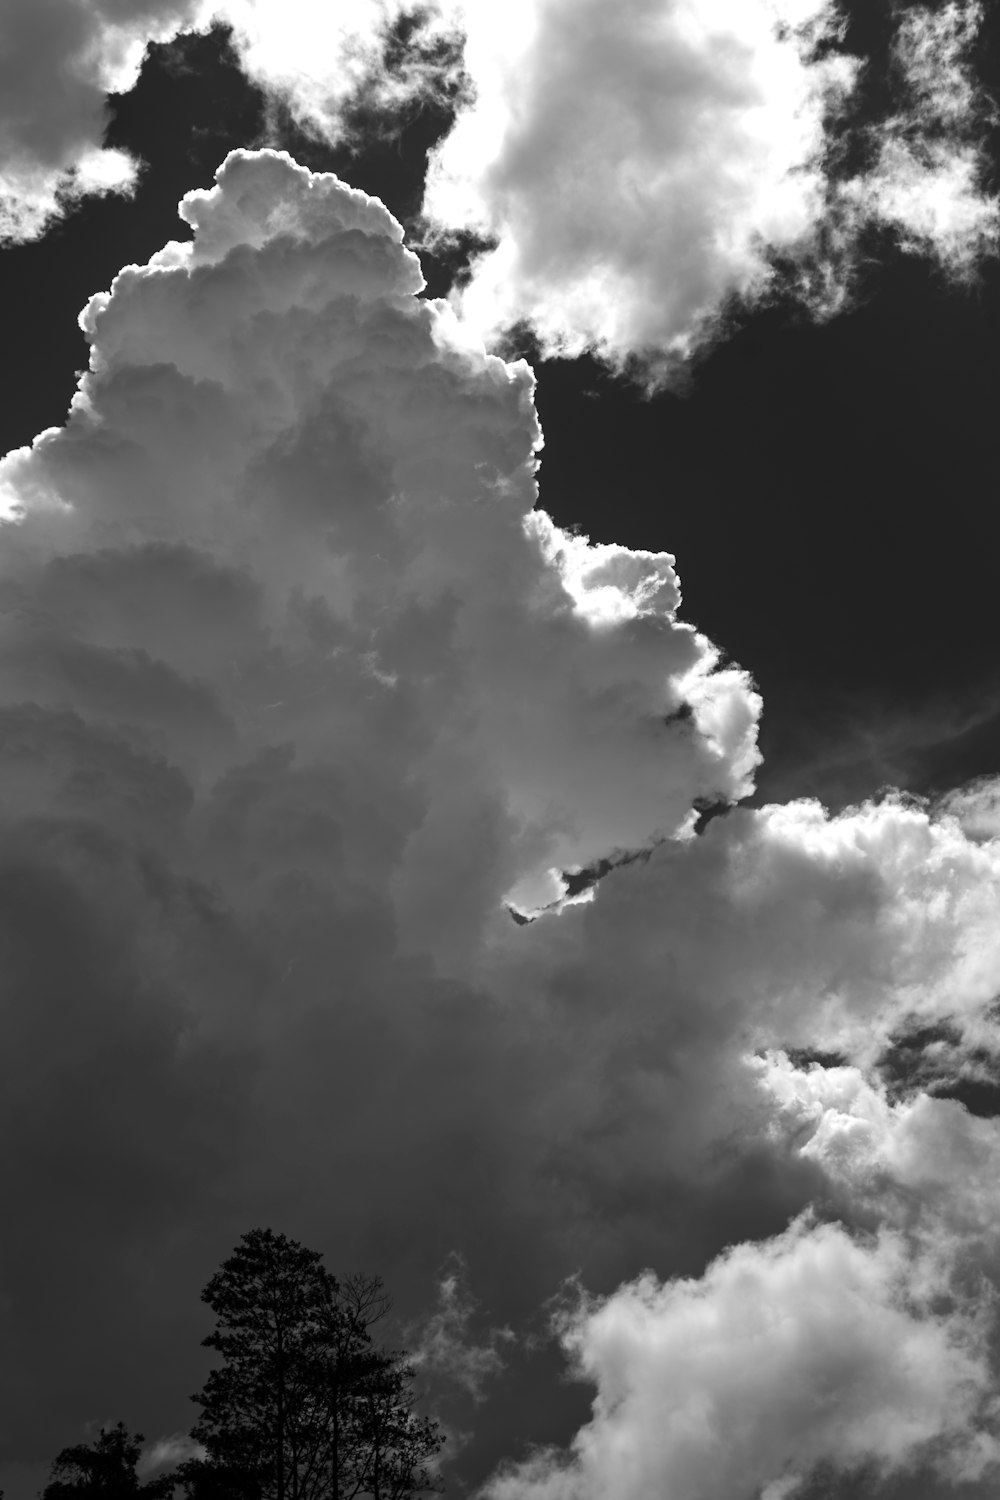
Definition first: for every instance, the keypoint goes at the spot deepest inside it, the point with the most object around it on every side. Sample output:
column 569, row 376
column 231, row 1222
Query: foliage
column 106, row 1468
column 303, row 1405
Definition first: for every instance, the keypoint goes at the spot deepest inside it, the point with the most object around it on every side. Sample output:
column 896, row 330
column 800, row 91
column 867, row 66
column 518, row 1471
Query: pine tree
column 303, row 1405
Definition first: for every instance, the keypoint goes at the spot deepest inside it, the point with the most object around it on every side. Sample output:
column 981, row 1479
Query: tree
column 303, row 1405
column 390, row 1450
column 105, row 1468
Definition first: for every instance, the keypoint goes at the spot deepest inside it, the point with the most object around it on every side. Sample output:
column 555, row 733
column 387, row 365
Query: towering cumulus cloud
column 298, row 693
column 296, row 689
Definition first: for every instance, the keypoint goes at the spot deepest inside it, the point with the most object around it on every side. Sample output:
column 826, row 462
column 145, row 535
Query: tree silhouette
column 104, row 1468
column 303, row 1406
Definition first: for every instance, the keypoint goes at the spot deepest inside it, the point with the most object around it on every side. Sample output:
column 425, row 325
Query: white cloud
column 975, row 807
column 633, row 167
column 635, row 170
column 315, row 56
column 864, row 1348
column 810, row 1348
column 60, row 59
column 638, row 170
column 927, row 178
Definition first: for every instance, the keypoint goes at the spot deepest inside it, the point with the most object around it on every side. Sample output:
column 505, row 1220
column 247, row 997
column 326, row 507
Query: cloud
column 975, row 807
column 299, row 688
column 811, row 1348
column 318, row 60
column 444, row 1347
column 862, row 1345
column 168, row 1452
column 634, row 177
column 637, row 175
column 928, row 177
column 59, row 61
column 633, row 172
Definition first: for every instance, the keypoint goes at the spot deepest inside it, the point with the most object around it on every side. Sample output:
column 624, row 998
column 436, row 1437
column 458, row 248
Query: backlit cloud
column 635, row 172
column 299, row 690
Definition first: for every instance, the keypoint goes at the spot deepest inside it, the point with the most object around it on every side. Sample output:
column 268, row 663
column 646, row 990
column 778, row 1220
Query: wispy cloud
column 445, row 1347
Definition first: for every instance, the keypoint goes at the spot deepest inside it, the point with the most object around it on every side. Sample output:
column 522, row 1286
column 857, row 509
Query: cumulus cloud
column 812, row 1348
column 637, row 172
column 299, row 688
column 633, row 169
column 863, row 1344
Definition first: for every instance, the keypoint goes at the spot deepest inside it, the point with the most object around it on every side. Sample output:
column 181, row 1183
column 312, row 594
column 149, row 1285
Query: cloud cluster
column 862, row 1344
column 635, row 173
column 298, row 691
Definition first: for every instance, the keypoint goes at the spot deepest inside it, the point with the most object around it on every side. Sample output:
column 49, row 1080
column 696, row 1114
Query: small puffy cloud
column 812, row 1348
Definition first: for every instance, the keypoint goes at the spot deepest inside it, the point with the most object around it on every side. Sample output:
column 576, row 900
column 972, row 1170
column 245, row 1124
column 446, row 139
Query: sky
column 392, row 854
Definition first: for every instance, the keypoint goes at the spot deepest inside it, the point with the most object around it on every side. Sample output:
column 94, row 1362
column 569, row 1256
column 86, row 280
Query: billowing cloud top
column 358, row 481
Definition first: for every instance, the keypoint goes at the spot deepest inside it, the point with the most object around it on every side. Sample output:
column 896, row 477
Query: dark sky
column 827, row 491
